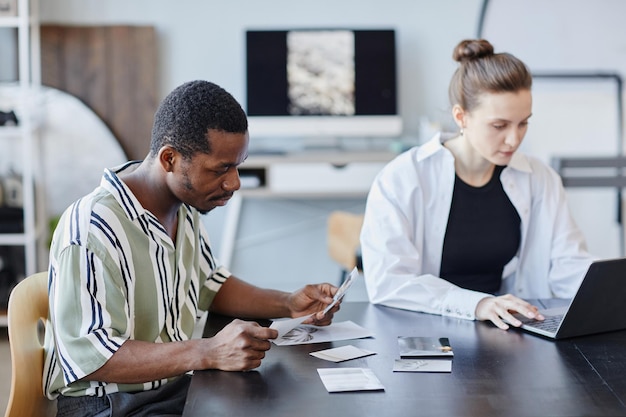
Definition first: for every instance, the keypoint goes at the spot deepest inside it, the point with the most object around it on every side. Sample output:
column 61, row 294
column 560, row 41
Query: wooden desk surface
column 494, row 373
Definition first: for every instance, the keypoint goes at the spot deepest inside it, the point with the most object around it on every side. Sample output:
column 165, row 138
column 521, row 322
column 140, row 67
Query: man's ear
column 167, row 157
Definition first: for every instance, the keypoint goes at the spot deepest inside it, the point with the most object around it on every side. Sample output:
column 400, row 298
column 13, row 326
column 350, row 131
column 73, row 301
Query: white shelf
column 11, row 131
column 10, row 21
column 13, row 239
column 314, row 175
column 18, row 132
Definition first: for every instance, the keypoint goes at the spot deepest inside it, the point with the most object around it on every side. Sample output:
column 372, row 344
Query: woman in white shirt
column 465, row 226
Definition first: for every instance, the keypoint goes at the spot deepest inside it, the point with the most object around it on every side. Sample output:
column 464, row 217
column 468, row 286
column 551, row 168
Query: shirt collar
column 120, row 191
column 433, row 146
column 520, row 162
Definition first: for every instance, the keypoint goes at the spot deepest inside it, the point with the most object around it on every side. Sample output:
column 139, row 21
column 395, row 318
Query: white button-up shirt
column 405, row 223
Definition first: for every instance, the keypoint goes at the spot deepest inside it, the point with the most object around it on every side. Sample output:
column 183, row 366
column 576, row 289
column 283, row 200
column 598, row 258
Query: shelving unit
column 344, row 174
column 25, row 134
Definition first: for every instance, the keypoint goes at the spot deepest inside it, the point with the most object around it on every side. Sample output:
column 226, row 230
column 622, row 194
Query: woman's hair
column 482, row 71
column 185, row 116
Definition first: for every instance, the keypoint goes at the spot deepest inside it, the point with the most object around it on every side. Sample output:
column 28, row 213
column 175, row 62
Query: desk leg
column 231, row 222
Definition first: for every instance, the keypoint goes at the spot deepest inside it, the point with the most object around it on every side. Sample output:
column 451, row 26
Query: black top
column 482, row 236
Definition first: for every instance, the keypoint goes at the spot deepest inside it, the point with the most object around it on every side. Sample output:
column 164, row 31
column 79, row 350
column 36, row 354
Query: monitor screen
column 322, row 82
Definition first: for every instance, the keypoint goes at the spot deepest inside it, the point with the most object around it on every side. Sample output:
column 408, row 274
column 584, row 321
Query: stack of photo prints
column 424, row 354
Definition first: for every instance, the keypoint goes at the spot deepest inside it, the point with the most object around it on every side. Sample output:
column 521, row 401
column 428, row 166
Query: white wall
column 205, row 39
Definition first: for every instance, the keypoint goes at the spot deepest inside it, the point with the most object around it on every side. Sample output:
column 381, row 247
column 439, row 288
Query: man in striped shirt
column 131, row 266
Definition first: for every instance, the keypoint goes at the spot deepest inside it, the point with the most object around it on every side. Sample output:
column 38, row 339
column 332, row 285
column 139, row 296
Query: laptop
column 597, row 307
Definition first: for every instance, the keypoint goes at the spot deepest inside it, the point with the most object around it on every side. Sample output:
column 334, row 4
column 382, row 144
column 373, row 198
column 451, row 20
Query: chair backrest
column 27, row 312
column 344, row 229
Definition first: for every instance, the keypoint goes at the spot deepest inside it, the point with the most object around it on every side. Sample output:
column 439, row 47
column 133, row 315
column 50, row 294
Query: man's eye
column 222, row 171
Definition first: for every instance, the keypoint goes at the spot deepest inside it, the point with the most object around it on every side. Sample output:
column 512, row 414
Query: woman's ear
column 458, row 114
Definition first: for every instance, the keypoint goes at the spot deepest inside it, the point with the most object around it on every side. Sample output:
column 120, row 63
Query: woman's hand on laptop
column 499, row 310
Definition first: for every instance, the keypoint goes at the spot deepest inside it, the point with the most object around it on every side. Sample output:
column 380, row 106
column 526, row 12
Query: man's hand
column 499, row 309
column 240, row 346
column 313, row 299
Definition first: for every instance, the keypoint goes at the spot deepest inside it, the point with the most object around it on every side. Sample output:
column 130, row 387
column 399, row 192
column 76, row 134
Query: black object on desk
column 494, row 373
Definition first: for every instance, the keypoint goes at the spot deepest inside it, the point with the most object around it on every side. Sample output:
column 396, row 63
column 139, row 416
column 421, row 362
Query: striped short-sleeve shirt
column 115, row 275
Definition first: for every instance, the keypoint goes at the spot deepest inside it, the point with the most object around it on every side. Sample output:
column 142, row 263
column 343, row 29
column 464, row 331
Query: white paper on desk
column 342, row 353
column 422, row 365
column 349, row 379
column 305, row 333
column 284, row 326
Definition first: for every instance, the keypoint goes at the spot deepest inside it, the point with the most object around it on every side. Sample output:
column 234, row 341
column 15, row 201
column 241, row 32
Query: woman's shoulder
column 420, row 166
column 417, row 154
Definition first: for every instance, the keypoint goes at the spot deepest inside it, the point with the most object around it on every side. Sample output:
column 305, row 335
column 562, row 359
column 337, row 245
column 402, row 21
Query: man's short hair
column 185, row 116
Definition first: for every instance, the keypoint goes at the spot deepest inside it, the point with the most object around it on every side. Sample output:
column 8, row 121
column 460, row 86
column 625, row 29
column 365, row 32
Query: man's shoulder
column 98, row 200
column 76, row 222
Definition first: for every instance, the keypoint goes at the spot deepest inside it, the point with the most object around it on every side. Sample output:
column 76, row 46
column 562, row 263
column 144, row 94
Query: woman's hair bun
column 470, row 49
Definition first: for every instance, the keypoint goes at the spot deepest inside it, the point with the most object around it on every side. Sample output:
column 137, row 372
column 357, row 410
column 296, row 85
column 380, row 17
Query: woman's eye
column 499, row 127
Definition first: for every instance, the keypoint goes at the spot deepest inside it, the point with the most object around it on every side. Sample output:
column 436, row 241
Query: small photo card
column 342, row 353
column 306, row 333
column 422, row 365
column 349, row 379
column 424, row 347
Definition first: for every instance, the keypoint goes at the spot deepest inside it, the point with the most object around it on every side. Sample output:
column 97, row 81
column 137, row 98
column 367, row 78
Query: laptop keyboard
column 550, row 324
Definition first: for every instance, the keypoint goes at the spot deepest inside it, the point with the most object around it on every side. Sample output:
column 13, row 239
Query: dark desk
column 494, row 373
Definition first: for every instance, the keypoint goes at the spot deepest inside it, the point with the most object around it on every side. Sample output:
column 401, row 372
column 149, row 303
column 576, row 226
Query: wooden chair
column 27, row 312
column 344, row 229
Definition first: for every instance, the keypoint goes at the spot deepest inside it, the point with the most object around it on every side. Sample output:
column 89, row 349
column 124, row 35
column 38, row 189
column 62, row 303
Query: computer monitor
column 317, row 83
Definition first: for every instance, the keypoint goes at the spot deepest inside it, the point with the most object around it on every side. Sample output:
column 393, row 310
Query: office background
column 282, row 242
